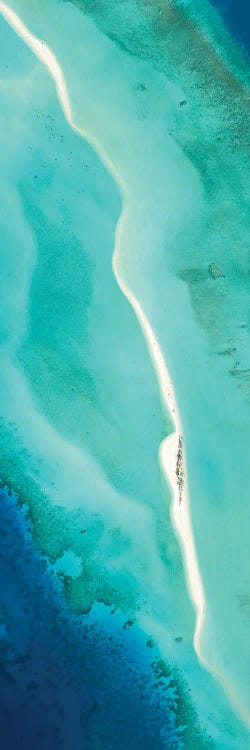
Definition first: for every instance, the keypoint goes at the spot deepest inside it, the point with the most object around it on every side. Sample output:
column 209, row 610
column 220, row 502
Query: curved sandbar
column 169, row 448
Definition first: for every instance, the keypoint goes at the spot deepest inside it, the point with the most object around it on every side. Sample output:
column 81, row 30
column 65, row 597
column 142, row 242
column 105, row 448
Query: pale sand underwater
column 169, row 448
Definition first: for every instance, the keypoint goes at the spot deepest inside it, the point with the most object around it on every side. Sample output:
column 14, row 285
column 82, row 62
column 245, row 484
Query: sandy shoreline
column 170, row 446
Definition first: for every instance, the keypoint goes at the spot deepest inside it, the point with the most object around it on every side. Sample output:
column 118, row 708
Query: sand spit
column 171, row 450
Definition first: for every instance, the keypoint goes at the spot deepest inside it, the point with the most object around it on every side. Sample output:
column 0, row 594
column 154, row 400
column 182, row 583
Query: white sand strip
column 169, row 451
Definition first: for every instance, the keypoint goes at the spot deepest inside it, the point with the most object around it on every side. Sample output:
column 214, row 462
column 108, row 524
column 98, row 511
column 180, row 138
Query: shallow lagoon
column 195, row 316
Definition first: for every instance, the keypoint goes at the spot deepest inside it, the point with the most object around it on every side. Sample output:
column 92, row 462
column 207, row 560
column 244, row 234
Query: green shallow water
column 81, row 415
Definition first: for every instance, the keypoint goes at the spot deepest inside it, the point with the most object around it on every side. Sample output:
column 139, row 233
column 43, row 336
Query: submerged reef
column 100, row 631
column 92, row 681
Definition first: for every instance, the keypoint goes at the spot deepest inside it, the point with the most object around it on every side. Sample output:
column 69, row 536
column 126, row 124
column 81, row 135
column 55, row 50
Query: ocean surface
column 97, row 615
column 236, row 14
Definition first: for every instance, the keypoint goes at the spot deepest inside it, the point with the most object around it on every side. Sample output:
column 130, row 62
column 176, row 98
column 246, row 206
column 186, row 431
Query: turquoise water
column 81, row 416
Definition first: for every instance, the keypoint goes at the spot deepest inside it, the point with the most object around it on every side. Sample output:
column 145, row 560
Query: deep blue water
column 68, row 682
column 236, row 13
